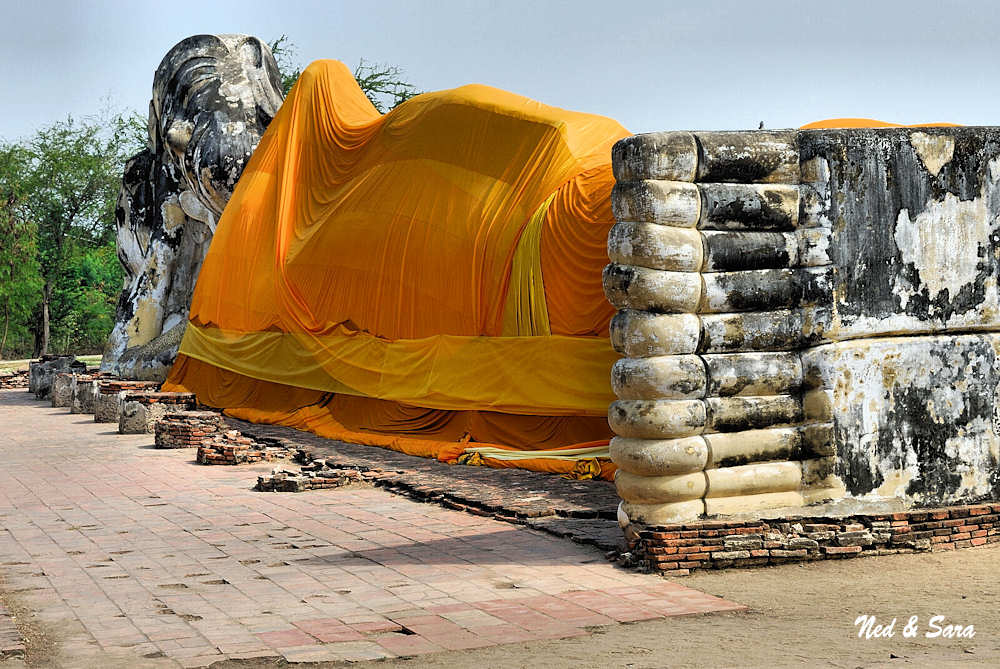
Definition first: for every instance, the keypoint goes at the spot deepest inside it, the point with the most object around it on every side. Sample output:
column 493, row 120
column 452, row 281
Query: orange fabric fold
column 428, row 433
column 401, row 229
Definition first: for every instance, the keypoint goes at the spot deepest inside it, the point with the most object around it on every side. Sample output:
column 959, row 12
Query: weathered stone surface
column 213, row 97
column 140, row 411
column 741, row 250
column 111, row 392
column 84, row 394
column 657, row 419
column 739, row 448
column 41, row 372
column 660, row 377
column 915, row 418
column 641, row 334
column 917, row 216
column 62, row 390
column 660, row 457
column 765, row 156
column 872, row 256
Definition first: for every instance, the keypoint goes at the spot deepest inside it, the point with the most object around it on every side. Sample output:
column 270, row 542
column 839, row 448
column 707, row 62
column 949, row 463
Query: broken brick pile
column 677, row 549
column 217, row 444
column 107, row 405
column 187, row 429
column 234, row 448
column 11, row 380
column 316, row 475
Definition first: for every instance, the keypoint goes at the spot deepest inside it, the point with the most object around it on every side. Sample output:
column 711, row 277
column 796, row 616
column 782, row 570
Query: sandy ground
column 801, row 615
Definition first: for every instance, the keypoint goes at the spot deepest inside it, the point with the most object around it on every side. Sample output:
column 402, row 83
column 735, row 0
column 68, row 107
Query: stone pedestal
column 140, row 411
column 41, row 372
column 110, row 394
column 62, row 389
column 84, row 390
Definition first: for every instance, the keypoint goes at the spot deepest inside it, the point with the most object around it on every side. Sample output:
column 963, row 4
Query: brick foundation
column 111, row 392
column 188, row 429
column 677, row 549
column 140, row 411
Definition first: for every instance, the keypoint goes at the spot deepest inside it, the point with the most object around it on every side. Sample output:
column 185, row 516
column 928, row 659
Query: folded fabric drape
column 442, row 260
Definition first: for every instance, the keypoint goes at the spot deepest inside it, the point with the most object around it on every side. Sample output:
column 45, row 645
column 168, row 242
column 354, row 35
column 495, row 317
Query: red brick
column 662, row 550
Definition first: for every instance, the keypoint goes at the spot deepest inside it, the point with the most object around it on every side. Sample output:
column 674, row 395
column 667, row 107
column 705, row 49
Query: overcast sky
column 697, row 64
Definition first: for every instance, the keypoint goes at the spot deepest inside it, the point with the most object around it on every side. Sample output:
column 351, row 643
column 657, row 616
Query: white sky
column 698, row 64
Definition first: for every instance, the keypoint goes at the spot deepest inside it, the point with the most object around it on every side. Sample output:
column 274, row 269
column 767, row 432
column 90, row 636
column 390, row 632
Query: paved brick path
column 127, row 552
column 585, row 511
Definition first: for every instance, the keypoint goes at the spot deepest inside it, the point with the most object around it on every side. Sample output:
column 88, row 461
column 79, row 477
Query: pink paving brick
column 376, row 627
column 286, row 638
column 142, row 550
column 407, row 644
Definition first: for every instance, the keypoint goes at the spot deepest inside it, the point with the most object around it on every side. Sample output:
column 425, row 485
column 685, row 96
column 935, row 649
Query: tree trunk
column 6, row 323
column 46, row 296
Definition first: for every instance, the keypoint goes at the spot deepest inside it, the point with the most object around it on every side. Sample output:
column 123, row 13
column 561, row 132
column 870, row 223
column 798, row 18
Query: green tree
column 20, row 280
column 383, row 84
column 71, row 181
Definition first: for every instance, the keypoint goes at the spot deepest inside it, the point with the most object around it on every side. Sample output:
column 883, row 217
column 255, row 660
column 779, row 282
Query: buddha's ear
column 179, row 134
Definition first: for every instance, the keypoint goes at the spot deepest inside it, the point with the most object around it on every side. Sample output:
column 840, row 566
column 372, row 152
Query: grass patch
column 12, row 365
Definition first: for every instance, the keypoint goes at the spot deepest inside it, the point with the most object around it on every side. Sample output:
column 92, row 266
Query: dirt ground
column 801, row 615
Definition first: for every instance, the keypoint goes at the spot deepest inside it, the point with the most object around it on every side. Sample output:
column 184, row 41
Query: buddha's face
column 213, row 97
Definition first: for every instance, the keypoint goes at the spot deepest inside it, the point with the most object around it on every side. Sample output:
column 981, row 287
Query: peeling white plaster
column 943, row 242
column 935, row 151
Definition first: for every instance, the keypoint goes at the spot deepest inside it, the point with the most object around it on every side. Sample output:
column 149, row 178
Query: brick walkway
column 125, row 551
column 584, row 511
